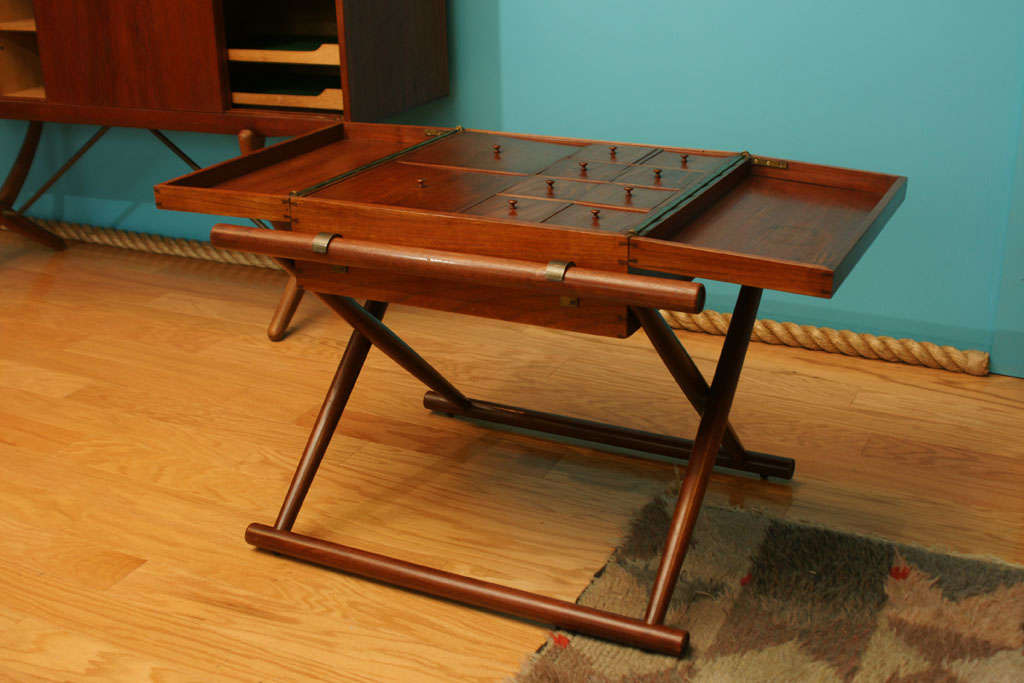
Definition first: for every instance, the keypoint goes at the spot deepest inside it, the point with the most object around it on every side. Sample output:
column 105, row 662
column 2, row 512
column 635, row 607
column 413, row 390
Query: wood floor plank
column 145, row 420
column 38, row 650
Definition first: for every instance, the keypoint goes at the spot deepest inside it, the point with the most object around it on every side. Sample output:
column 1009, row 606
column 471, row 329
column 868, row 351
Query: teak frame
column 760, row 223
column 715, row 443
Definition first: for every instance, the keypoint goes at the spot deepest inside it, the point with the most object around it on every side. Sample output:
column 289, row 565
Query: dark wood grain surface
column 418, row 187
column 163, row 63
column 605, row 219
column 461, row 232
column 304, row 170
column 483, row 300
column 477, row 151
column 542, row 187
column 656, row 176
column 150, row 54
column 517, row 208
column 790, row 226
column 776, row 233
column 578, row 169
column 627, row 197
column 394, row 56
column 616, row 153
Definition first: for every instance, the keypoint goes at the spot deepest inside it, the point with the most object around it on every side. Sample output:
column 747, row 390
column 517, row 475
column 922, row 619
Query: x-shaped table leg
column 648, row 633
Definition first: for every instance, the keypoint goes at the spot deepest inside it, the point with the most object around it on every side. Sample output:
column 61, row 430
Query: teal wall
column 923, row 88
column 1008, row 332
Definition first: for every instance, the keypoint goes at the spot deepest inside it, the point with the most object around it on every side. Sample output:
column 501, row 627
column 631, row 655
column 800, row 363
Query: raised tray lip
column 676, row 258
column 185, row 193
column 797, row 277
column 300, row 203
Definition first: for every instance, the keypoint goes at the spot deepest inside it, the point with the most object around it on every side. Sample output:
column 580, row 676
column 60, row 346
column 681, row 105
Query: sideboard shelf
column 212, row 65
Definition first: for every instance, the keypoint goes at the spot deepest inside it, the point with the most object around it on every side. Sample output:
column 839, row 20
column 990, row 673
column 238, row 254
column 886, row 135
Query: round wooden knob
column 551, row 185
column 629, row 192
column 595, row 213
column 612, row 149
column 583, row 167
column 497, row 149
column 512, row 204
column 420, row 182
column 657, row 173
column 683, row 157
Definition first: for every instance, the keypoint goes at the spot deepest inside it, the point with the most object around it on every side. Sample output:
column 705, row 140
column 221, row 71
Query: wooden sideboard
column 219, row 66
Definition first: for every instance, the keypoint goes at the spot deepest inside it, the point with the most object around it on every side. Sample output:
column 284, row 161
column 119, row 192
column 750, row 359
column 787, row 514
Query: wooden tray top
column 725, row 216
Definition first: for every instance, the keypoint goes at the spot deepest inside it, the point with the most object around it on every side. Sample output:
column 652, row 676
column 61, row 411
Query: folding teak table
column 589, row 236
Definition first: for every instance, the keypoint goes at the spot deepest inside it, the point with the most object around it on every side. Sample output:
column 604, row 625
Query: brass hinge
column 769, row 163
column 435, row 132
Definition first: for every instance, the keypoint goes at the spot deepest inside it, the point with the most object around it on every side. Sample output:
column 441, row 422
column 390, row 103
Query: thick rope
column 848, row 343
column 154, row 244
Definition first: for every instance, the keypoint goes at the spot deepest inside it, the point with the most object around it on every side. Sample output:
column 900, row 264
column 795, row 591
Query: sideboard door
column 150, row 54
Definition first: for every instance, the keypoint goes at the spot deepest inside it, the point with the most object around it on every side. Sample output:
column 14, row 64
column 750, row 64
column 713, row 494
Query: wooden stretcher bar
column 649, row 633
column 562, row 278
column 492, row 596
column 499, row 225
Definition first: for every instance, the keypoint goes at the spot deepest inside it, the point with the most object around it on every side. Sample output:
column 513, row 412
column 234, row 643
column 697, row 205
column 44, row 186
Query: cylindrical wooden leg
column 493, row 596
column 327, row 421
column 250, row 141
column 673, row 447
column 393, row 345
column 286, row 308
column 685, row 372
column 709, row 439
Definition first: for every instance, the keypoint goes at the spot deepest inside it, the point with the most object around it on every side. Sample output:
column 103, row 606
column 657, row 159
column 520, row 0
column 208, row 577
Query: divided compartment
column 799, row 228
column 284, row 55
column 286, row 86
column 259, row 185
column 286, row 50
column 418, row 186
column 492, row 152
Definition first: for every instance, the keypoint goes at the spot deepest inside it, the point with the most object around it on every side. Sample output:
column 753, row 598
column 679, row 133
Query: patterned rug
column 769, row 600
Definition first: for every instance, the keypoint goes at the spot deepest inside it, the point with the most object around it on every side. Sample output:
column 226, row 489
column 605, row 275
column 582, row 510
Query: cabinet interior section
column 21, row 72
column 284, row 55
column 220, row 66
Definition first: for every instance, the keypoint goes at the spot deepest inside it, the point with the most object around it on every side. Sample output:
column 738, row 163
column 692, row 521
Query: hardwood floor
column 145, row 420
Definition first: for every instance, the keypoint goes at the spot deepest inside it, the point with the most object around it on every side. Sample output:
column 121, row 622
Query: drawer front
column 515, row 305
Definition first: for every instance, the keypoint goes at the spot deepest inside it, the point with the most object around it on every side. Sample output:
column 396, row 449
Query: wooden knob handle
column 420, row 182
column 612, row 149
column 595, row 213
column 512, row 204
column 551, row 183
column 497, row 149
column 657, row 173
column 629, row 192
column 583, row 166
